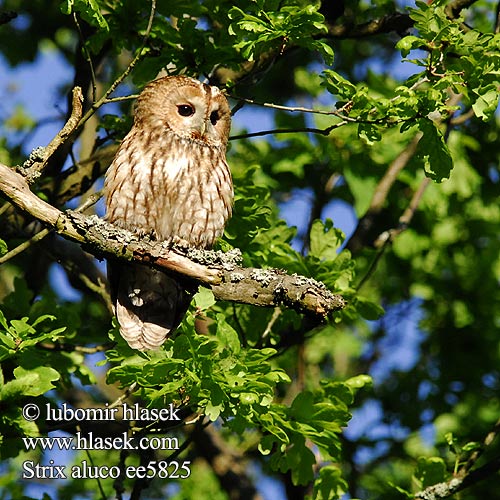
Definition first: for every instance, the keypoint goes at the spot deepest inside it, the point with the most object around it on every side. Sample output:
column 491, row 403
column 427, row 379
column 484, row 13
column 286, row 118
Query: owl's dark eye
column 185, row 109
column 214, row 117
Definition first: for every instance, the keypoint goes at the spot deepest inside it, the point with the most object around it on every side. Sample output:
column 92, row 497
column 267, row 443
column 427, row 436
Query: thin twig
column 390, row 176
column 397, row 22
column 387, row 237
column 128, row 391
column 455, row 484
column 292, row 108
column 408, row 214
column 78, row 179
column 140, row 54
column 4, row 207
column 34, row 171
column 91, row 460
column 475, row 456
column 404, row 221
column 61, row 347
column 462, row 118
column 276, row 314
column 453, row 9
column 325, row 131
column 497, row 19
column 365, row 224
column 98, row 288
column 24, row 245
column 86, row 54
column 91, row 200
column 120, row 99
column 194, row 420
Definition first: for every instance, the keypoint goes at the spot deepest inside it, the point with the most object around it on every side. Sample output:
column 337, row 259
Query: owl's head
column 190, row 109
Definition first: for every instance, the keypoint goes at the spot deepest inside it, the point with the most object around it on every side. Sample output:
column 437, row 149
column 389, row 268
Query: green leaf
column 67, row 6
column 204, row 299
column 90, row 10
column 3, row 247
column 326, row 51
column 368, row 309
column 301, row 406
column 369, row 133
column 405, row 493
column 213, row 412
column 265, row 445
column 338, row 85
column 430, row 471
column 33, row 382
column 325, row 240
column 434, row 152
column 21, row 328
column 3, row 321
column 471, row 447
column 301, row 461
column 42, row 318
column 486, row 104
column 227, row 335
column 329, row 485
column 408, row 43
column 359, row 382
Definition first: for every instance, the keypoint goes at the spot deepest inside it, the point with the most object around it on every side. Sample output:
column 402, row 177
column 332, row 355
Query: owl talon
column 135, row 297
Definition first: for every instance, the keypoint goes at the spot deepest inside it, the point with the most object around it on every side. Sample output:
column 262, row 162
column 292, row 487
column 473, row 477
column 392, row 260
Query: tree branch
column 406, row 217
column 357, row 240
column 34, row 171
column 497, row 20
column 394, row 22
column 309, row 130
column 455, row 484
column 297, row 109
column 7, row 17
column 397, row 22
column 24, row 245
column 489, row 438
column 227, row 465
column 215, row 270
column 78, row 179
column 454, row 8
column 388, row 236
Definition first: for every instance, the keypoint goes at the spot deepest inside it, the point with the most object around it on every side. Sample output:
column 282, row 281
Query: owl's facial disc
column 199, row 122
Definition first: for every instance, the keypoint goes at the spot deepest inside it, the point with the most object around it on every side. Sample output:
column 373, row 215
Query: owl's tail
column 148, row 304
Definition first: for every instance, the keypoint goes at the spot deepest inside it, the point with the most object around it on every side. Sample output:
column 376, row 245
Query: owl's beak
column 203, row 128
column 199, row 131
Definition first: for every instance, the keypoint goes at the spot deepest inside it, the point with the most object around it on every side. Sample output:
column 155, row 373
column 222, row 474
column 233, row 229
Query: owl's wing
column 148, row 304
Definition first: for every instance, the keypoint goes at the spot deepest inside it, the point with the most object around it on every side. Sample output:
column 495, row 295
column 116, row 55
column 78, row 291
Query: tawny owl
column 169, row 179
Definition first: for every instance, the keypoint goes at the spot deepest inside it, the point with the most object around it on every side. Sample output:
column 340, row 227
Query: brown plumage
column 169, row 179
